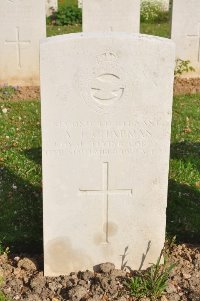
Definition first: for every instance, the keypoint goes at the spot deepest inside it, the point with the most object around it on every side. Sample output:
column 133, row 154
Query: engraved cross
column 105, row 192
column 18, row 44
column 198, row 37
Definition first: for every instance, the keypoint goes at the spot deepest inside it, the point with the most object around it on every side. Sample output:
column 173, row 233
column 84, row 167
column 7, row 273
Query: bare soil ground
column 21, row 93
column 186, row 86
column 24, row 280
column 181, row 86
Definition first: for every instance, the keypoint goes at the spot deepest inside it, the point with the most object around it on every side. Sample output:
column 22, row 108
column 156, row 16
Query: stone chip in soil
column 24, row 280
column 27, row 264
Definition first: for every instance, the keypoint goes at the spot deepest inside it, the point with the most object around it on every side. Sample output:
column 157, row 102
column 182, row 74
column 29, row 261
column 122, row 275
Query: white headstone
column 80, row 3
column 111, row 15
column 106, row 119
column 22, row 25
column 186, row 32
column 51, row 6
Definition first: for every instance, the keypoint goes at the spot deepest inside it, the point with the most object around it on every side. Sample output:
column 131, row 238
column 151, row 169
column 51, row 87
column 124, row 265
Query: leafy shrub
column 182, row 67
column 66, row 15
column 153, row 12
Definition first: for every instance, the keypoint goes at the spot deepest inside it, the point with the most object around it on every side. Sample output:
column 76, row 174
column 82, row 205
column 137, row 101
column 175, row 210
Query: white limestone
column 186, row 32
column 111, row 15
column 22, row 25
column 51, row 6
column 106, row 118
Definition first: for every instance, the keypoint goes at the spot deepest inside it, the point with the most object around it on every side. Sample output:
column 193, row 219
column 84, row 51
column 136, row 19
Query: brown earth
column 186, row 86
column 181, row 86
column 23, row 93
column 23, row 280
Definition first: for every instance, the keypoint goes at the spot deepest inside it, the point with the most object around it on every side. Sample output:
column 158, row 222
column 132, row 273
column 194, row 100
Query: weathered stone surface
column 111, row 15
column 22, row 25
column 186, row 32
column 106, row 120
column 51, row 6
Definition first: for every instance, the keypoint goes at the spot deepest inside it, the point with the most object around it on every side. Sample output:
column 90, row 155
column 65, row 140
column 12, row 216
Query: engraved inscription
column 93, row 138
column 196, row 36
column 18, row 43
column 105, row 192
column 107, row 89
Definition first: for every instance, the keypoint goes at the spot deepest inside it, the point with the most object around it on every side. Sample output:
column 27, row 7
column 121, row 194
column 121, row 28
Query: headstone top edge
column 91, row 35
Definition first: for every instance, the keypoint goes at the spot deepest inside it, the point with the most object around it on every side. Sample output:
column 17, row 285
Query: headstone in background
column 51, row 6
column 186, row 32
column 80, row 3
column 106, row 120
column 165, row 3
column 111, row 15
column 22, row 25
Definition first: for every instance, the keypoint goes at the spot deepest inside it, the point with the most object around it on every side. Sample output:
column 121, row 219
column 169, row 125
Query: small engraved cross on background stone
column 105, row 192
column 18, row 44
column 197, row 36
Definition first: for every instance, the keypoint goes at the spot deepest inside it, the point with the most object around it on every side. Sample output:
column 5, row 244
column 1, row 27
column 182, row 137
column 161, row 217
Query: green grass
column 20, row 174
column 183, row 214
column 162, row 30
column 53, row 30
column 67, row 2
column 20, row 165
